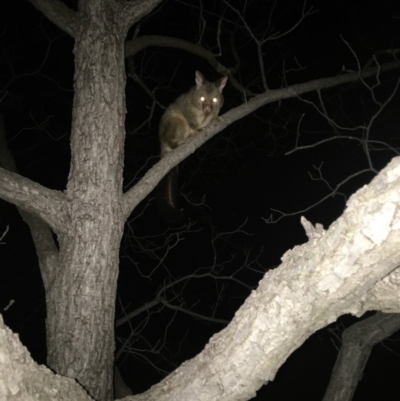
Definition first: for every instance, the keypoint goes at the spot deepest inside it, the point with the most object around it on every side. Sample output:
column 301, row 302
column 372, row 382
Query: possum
column 189, row 113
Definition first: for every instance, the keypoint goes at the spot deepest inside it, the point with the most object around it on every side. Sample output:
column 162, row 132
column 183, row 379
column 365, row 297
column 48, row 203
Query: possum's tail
column 167, row 194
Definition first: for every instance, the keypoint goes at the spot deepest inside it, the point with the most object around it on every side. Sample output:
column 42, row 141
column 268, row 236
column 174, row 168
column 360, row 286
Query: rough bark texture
column 81, row 299
column 21, row 379
column 338, row 271
column 80, row 279
column 329, row 276
column 358, row 341
column 317, row 282
column 41, row 234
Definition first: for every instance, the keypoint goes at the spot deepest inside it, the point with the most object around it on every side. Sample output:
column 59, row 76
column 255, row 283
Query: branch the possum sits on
column 190, row 112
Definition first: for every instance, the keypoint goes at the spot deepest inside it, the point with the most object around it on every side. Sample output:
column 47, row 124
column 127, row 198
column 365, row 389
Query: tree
column 88, row 219
column 360, row 274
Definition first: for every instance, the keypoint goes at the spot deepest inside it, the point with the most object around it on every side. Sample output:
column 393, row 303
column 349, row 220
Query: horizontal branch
column 275, row 95
column 136, row 45
column 316, row 283
column 58, row 13
column 158, row 171
column 134, row 11
column 34, row 198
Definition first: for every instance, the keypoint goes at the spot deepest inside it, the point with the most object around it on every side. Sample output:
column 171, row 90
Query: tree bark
column 88, row 219
column 358, row 341
column 346, row 269
column 21, row 379
column 81, row 299
column 331, row 275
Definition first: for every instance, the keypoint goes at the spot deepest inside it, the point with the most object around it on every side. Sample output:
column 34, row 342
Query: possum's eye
column 215, row 100
column 202, row 98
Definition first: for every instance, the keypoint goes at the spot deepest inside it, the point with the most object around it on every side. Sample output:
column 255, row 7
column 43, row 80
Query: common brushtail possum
column 190, row 112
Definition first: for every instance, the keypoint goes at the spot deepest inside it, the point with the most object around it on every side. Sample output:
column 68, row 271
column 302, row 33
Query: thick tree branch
column 155, row 174
column 358, row 341
column 48, row 204
column 385, row 296
column 22, row 379
column 58, row 13
column 315, row 284
column 137, row 44
column 134, row 11
column 41, row 234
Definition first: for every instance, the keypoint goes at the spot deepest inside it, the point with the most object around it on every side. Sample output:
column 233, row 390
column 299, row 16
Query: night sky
column 229, row 187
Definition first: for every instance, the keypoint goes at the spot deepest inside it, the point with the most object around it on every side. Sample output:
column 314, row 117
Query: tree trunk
column 81, row 341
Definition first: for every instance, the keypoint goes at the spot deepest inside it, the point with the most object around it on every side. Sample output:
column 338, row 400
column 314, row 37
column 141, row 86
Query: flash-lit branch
column 42, row 236
column 58, row 13
column 155, row 174
column 134, row 11
column 34, row 198
column 135, row 45
column 364, row 138
column 358, row 341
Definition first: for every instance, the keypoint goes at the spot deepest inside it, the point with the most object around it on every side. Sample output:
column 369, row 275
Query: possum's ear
column 220, row 84
column 199, row 78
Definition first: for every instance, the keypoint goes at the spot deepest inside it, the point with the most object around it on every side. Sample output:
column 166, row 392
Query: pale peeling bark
column 332, row 274
column 21, row 379
column 304, row 294
column 385, row 295
column 316, row 283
